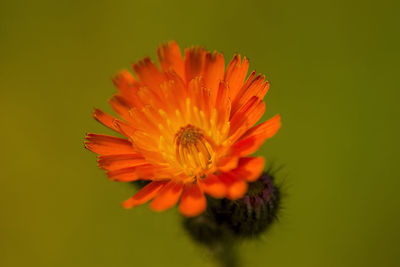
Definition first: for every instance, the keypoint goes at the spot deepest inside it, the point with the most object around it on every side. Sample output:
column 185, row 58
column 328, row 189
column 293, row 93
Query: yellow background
column 334, row 68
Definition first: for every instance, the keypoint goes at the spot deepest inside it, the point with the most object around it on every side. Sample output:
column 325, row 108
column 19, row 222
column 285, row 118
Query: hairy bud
column 243, row 218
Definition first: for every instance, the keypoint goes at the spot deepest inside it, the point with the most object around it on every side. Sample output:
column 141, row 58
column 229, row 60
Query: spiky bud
column 243, row 218
column 256, row 211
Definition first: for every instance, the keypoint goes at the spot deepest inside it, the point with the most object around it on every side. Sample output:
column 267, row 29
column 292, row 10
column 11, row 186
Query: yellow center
column 192, row 150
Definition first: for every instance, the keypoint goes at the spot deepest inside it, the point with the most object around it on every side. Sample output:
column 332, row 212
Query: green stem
column 226, row 254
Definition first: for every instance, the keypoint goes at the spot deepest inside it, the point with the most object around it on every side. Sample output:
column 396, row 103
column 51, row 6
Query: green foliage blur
column 333, row 66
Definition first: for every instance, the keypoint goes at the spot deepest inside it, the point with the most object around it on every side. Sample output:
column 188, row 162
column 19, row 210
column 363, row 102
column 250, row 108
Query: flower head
column 188, row 129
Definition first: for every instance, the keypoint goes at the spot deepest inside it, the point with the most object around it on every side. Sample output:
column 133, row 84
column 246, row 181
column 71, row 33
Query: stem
column 226, row 254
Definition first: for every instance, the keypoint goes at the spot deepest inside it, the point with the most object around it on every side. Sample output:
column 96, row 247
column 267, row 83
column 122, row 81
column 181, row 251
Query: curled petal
column 255, row 86
column 115, row 162
column 124, row 128
column 105, row 119
column 108, row 145
column 148, row 74
column 235, row 74
column 167, row 197
column 254, row 137
column 213, row 186
column 145, row 194
column 121, row 106
column 126, row 84
column 170, row 57
column 214, row 70
column 246, row 117
column 250, row 168
column 194, row 62
column 192, row 201
column 227, row 163
column 128, row 174
column 223, row 103
column 236, row 187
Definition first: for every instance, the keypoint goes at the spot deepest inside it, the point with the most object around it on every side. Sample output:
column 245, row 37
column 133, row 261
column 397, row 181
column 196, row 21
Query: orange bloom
column 188, row 129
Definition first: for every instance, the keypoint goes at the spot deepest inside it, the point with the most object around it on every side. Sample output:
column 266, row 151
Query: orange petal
column 239, row 118
column 236, row 187
column 127, row 174
column 151, row 97
column 167, row 197
column 192, row 201
column 256, row 86
column 126, row 84
column 199, row 94
column 145, row 194
column 250, row 168
column 174, row 87
column 246, row 117
column 144, row 141
column 235, row 74
column 121, row 106
column 248, row 82
column 223, row 103
column 254, row 137
column 269, row 127
column 123, row 80
column 227, row 163
column 245, row 147
column 105, row 119
column 149, row 74
column 108, row 145
column 124, row 128
column 213, row 186
column 115, row 162
column 145, row 120
column 194, row 62
column 169, row 56
column 214, row 67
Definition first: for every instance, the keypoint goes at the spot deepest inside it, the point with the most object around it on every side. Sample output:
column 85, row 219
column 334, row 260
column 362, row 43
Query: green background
column 334, row 68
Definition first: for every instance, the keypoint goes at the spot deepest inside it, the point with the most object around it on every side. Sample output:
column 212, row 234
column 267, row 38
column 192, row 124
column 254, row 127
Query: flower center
column 192, row 150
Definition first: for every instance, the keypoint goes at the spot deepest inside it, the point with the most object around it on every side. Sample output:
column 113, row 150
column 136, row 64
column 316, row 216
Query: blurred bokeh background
column 334, row 68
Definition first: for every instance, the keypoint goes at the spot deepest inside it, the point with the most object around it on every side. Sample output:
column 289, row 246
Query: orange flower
column 188, row 129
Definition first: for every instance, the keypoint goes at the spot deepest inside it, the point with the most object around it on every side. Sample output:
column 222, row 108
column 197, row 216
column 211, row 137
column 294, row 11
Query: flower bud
column 245, row 217
column 255, row 212
column 206, row 229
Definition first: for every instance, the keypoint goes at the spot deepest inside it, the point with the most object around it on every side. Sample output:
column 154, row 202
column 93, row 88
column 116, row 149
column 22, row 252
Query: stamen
column 192, row 150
